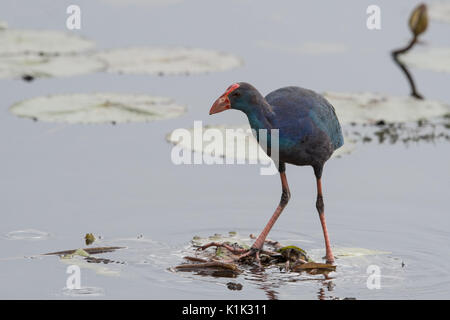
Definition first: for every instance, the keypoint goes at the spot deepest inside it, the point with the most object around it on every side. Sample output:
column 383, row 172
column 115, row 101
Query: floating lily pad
column 249, row 151
column 41, row 42
column 371, row 108
column 433, row 59
column 98, row 108
column 439, row 11
column 30, row 66
column 168, row 61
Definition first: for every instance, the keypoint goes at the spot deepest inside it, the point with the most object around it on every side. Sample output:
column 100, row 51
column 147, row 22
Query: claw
column 223, row 245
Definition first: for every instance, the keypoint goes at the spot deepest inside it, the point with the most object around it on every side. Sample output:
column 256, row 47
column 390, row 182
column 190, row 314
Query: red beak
column 221, row 104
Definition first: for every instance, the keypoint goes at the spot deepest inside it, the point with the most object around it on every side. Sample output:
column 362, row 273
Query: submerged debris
column 234, row 286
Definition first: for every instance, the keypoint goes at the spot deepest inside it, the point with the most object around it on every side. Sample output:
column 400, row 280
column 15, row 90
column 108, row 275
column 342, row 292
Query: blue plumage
column 309, row 130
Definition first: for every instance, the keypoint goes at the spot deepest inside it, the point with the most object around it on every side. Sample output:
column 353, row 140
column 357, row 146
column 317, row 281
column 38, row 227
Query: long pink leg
column 285, row 196
column 320, row 208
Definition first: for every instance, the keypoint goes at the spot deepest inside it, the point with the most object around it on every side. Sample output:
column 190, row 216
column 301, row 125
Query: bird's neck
column 260, row 115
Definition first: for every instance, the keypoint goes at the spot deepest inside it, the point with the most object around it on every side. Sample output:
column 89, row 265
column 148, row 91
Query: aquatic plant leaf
column 80, row 252
column 439, row 11
column 89, row 238
column 98, row 108
column 37, row 66
column 167, row 61
column 370, row 108
column 433, row 59
column 245, row 147
column 14, row 41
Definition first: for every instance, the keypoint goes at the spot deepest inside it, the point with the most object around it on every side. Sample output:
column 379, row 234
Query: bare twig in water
column 195, row 259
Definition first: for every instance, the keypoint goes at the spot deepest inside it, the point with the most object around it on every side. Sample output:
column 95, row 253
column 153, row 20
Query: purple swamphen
column 309, row 132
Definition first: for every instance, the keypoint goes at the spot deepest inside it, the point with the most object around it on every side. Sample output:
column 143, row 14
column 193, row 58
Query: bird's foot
column 329, row 259
column 241, row 254
column 230, row 248
column 252, row 252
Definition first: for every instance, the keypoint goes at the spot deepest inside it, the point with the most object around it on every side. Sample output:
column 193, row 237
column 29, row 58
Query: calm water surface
column 119, row 182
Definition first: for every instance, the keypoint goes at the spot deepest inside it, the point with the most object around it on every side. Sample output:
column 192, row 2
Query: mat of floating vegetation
column 371, row 108
column 31, row 66
column 439, row 11
column 433, row 59
column 219, row 260
column 98, row 108
column 167, row 61
column 244, row 148
column 13, row 41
